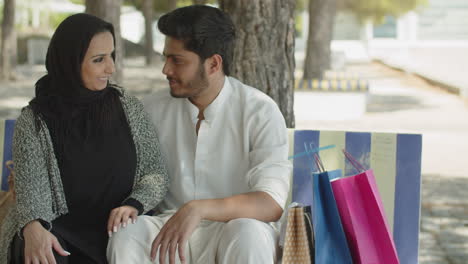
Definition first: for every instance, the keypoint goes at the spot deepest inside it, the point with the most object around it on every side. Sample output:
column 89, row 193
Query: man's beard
column 195, row 86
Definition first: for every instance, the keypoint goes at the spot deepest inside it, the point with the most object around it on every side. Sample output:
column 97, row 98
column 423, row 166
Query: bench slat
column 396, row 161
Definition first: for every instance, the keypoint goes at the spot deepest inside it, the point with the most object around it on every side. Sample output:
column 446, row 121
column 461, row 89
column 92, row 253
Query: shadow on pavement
column 445, row 217
column 391, row 103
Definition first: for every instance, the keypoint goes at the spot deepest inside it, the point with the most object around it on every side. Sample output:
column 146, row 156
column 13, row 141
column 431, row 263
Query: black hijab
column 61, row 95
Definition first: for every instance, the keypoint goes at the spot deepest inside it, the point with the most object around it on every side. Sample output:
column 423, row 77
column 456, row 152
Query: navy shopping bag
column 331, row 246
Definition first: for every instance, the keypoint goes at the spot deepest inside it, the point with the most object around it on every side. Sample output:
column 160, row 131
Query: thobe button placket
column 200, row 157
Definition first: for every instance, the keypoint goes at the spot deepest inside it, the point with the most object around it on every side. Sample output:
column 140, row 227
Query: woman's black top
column 97, row 171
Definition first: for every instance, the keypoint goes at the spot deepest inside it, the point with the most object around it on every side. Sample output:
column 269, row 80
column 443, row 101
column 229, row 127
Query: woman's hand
column 119, row 217
column 38, row 245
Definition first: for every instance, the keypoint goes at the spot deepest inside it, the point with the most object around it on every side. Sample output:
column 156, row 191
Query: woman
column 86, row 156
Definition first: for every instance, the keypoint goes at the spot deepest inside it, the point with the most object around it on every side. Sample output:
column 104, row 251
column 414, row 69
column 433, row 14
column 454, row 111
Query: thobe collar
column 213, row 108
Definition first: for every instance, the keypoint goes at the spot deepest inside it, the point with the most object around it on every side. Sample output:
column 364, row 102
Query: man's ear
column 214, row 64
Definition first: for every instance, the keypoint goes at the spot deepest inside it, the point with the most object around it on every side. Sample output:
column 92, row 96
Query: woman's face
column 98, row 65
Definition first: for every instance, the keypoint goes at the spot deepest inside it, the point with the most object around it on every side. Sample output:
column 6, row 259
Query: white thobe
column 241, row 147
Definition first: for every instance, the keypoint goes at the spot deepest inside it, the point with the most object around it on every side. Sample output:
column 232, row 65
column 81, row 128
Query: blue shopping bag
column 331, row 246
column 314, row 188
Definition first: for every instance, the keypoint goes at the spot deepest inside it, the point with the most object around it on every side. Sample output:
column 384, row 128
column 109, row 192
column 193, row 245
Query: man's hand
column 38, row 245
column 119, row 217
column 178, row 229
column 176, row 232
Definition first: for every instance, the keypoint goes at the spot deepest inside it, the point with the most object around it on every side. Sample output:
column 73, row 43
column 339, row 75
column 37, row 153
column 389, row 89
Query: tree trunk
column 8, row 42
column 148, row 14
column 109, row 10
column 199, row 2
column 264, row 48
column 321, row 20
column 172, row 4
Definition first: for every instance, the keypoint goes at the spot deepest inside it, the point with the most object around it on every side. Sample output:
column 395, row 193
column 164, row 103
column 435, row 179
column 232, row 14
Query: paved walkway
column 445, row 62
column 397, row 102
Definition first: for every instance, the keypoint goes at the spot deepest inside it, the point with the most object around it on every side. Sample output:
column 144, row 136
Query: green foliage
column 301, row 5
column 161, row 6
column 298, row 25
column 56, row 18
column 376, row 10
column 1, row 13
column 78, row 2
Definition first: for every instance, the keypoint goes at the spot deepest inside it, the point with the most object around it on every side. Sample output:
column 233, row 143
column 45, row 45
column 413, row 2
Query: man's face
column 183, row 69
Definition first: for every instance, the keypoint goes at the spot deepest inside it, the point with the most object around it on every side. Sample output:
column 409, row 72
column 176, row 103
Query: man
column 226, row 149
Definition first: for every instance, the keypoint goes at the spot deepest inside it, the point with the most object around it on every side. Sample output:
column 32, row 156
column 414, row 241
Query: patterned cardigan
column 38, row 186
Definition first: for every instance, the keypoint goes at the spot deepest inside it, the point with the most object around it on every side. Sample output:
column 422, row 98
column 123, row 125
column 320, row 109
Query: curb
column 450, row 88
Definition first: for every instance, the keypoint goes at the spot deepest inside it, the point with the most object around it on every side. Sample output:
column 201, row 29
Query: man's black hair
column 204, row 30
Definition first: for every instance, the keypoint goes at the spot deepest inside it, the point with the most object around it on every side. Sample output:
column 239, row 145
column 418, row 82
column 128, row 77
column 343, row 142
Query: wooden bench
column 6, row 138
column 395, row 159
column 396, row 162
column 6, row 196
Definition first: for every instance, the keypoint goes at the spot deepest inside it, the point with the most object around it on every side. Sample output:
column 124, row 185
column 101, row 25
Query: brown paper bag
column 299, row 241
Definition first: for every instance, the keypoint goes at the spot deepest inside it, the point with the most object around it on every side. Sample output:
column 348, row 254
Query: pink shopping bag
column 363, row 217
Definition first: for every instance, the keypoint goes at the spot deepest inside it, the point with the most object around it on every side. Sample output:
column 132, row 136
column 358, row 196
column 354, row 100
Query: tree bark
column 109, row 10
column 8, row 42
column 199, row 2
column 318, row 55
column 148, row 14
column 264, row 48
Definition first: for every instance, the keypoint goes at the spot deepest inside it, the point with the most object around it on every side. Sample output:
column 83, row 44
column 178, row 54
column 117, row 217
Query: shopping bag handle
column 358, row 166
column 311, row 228
column 317, row 160
column 319, row 163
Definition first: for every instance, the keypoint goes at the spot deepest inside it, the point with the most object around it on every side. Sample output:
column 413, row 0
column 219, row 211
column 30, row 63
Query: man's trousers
column 237, row 241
